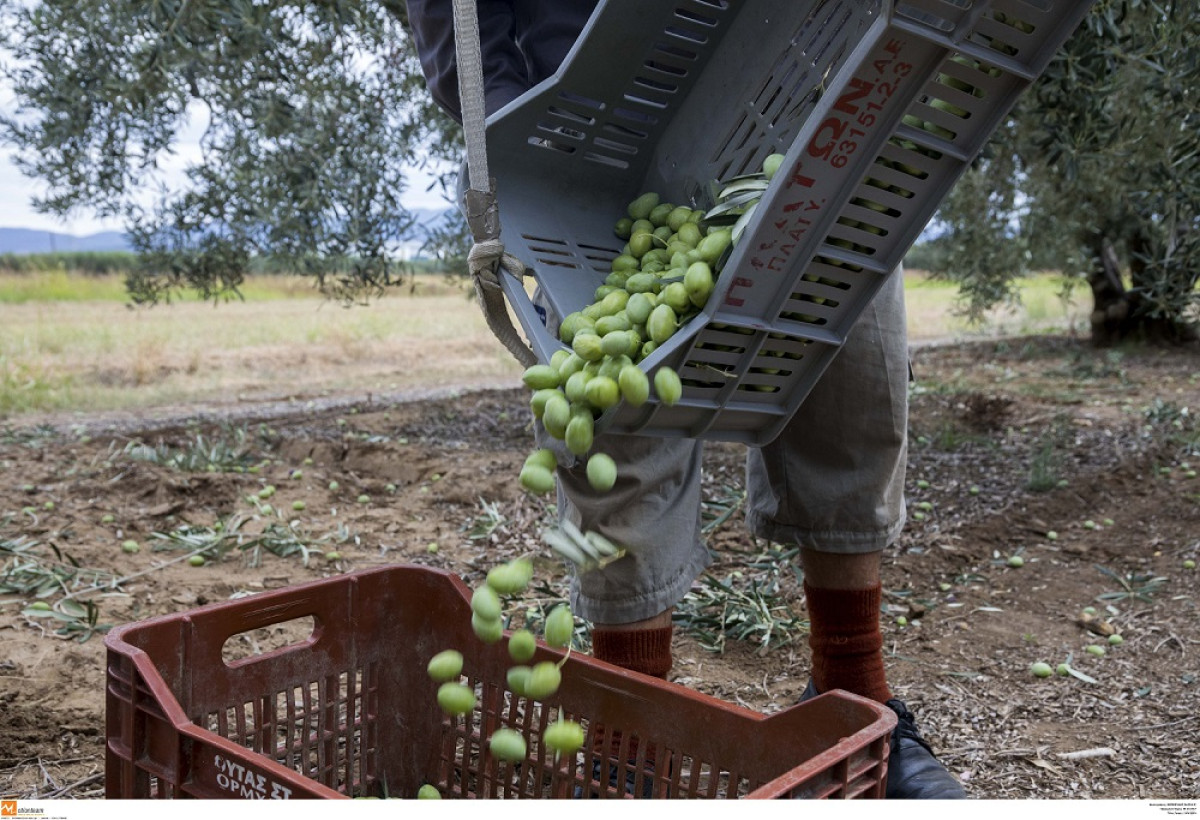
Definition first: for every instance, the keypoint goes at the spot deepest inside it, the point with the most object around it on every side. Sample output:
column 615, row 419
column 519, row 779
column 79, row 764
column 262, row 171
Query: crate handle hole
column 572, row 116
column 277, row 639
column 665, row 68
column 695, row 17
column 540, row 142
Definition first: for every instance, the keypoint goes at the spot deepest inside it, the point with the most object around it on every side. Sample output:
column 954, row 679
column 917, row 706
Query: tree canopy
column 1097, row 175
column 313, row 110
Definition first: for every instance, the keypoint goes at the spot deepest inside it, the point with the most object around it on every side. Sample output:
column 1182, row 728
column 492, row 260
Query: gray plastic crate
column 878, row 108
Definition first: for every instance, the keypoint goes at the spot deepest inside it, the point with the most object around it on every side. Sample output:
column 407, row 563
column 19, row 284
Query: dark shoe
column 630, row 781
column 913, row 771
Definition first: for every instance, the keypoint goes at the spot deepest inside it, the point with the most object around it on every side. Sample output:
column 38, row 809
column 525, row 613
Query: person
column 831, row 483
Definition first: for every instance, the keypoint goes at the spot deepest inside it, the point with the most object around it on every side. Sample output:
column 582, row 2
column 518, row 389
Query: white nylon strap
column 470, row 91
column 487, row 258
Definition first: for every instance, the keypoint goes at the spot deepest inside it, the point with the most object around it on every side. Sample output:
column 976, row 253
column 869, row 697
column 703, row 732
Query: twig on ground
column 1165, row 725
column 95, row 777
column 1085, row 754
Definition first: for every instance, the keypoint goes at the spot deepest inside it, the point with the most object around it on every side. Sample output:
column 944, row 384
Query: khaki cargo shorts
column 833, row 481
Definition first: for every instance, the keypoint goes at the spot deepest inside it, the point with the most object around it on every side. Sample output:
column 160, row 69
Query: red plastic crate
column 347, row 709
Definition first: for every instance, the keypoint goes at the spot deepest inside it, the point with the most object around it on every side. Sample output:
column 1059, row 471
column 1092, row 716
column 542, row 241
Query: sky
column 17, row 191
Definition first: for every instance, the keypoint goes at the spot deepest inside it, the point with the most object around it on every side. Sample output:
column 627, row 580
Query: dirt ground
column 1081, row 462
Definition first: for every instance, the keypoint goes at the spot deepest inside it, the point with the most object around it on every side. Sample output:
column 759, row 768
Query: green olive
column 544, row 680
column 667, row 386
column 641, row 207
column 601, row 393
column 456, row 698
column 510, row 578
column 770, row 165
column 699, row 283
column 537, row 479
column 488, row 630
column 521, row 645
column 517, row 678
column 446, row 665
column 543, row 458
column 601, row 472
column 560, row 626
column 507, row 744
column 579, row 434
column 634, row 384
column 563, row 737
column 485, row 602
column 662, row 323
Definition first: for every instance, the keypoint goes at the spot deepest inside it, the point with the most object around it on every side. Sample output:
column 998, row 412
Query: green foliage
column 743, row 607
column 92, row 263
column 25, row 385
column 926, row 256
column 1176, row 426
column 982, row 213
column 716, row 512
column 1046, row 466
column 311, row 113
column 1134, row 586
column 270, row 534
column 1097, row 173
column 448, row 244
column 43, row 572
column 233, row 450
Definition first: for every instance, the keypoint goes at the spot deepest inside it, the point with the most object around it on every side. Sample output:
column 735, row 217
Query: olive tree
column 1098, row 175
column 312, row 111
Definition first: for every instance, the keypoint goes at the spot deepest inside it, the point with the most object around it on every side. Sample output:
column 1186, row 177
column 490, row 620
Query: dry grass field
column 71, row 345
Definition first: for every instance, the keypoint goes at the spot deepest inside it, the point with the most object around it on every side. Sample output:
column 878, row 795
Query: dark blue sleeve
column 546, row 31
column 504, row 66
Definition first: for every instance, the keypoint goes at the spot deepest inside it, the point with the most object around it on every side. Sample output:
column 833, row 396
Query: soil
column 1011, row 441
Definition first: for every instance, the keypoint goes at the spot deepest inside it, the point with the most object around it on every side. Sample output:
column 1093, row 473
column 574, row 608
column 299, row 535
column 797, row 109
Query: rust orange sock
column 846, row 641
column 641, row 650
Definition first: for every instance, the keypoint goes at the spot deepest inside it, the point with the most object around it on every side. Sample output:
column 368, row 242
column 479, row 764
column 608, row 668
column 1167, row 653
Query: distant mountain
column 428, row 216
column 29, row 240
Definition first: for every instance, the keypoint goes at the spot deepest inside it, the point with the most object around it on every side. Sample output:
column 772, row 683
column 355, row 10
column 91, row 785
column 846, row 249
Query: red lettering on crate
column 845, row 103
column 798, row 178
column 738, row 282
column 794, row 229
column 836, row 140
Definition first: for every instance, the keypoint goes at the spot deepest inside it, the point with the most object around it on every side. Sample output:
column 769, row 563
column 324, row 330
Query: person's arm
column 432, row 26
